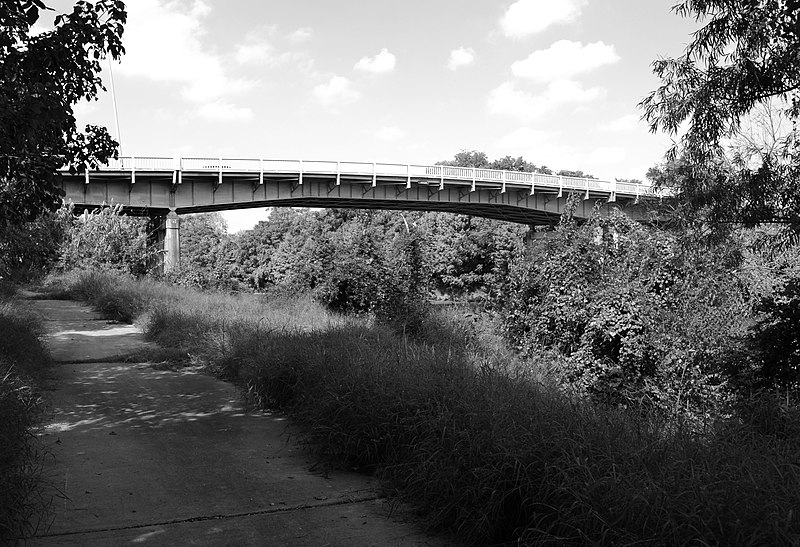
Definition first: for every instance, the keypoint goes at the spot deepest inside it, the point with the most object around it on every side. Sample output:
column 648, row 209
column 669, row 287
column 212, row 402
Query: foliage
column 208, row 254
column 41, row 77
column 469, row 255
column 746, row 55
column 29, row 249
column 632, row 315
column 23, row 360
column 374, row 266
column 474, row 158
column 578, row 174
column 776, row 338
column 107, row 238
column 745, row 52
column 488, row 451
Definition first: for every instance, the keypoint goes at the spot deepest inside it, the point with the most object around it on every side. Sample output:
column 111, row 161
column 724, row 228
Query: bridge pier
column 172, row 242
column 165, row 236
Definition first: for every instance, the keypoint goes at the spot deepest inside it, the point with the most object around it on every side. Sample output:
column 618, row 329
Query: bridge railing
column 441, row 173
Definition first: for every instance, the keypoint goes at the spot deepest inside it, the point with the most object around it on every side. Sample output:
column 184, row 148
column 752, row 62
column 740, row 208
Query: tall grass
column 480, row 446
column 23, row 362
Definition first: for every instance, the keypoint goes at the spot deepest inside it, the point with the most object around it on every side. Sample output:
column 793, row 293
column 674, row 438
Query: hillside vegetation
column 608, row 383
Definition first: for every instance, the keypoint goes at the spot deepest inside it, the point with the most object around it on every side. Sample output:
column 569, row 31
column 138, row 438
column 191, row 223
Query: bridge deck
column 212, row 184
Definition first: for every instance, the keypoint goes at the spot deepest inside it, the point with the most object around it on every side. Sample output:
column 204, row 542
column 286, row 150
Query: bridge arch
column 158, row 186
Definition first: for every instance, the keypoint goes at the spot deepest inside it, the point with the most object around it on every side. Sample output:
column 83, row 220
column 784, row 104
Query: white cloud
column 628, row 122
column 463, row 56
column 220, row 111
column 390, row 133
column 254, row 52
column 163, row 43
column 564, row 59
column 336, row 91
column 383, row 62
column 301, row 35
column 507, row 100
column 258, row 49
column 526, row 17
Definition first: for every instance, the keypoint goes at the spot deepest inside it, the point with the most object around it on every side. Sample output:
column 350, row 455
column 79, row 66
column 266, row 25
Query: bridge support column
column 535, row 232
column 172, row 242
column 165, row 236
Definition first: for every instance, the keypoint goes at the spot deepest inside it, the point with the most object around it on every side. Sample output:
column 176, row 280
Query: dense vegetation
column 607, row 382
column 23, row 362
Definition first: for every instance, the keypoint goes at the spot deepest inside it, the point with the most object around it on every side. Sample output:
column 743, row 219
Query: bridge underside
column 202, row 193
column 164, row 195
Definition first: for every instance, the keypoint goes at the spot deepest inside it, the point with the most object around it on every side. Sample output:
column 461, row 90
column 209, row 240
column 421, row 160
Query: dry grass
column 481, row 445
column 23, row 364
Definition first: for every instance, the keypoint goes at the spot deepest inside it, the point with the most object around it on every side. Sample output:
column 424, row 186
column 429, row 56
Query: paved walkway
column 153, row 457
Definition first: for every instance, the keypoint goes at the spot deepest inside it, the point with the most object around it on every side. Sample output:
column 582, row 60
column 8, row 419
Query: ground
column 161, row 457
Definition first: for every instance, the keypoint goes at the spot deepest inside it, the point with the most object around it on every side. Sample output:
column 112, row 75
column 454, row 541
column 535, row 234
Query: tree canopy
column 42, row 76
column 746, row 52
column 746, row 55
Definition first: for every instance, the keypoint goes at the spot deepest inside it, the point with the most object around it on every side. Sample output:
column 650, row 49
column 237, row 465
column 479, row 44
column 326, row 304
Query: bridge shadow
column 135, row 397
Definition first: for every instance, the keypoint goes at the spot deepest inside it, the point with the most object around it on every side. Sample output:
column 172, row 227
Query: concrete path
column 153, row 457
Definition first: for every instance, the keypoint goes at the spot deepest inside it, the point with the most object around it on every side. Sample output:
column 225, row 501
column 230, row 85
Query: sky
column 554, row 81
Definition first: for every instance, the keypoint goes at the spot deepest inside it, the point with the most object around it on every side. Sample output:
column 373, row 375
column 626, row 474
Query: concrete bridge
column 164, row 188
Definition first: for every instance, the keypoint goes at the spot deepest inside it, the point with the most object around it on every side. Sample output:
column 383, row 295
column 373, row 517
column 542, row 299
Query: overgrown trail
column 157, row 457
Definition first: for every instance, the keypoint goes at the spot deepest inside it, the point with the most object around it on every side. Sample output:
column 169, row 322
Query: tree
column 106, row 238
column 41, row 77
column 519, row 164
column 468, row 158
column 578, row 174
column 746, row 53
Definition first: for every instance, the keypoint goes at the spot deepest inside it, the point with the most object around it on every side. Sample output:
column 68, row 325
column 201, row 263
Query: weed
column 23, row 364
column 484, row 445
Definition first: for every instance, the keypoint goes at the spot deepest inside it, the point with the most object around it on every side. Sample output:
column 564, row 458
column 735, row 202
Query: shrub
column 23, row 360
column 108, row 239
column 637, row 316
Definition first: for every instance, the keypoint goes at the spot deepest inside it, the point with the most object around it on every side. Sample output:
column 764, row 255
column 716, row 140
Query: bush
column 636, row 316
column 107, row 239
column 489, row 450
column 23, row 360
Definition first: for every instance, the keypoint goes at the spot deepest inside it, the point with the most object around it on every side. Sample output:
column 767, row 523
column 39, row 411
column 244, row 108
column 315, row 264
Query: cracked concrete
column 152, row 457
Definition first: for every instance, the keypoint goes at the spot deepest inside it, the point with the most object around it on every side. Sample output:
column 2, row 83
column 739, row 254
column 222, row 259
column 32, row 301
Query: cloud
column 564, row 59
column 463, row 56
column 219, row 111
column 257, row 49
column 301, row 35
column 336, row 92
column 526, row 17
column 382, row 63
column 254, row 52
column 625, row 123
column 163, row 44
column 507, row 100
column 390, row 133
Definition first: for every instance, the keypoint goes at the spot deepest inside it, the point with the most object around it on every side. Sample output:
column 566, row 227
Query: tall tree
column 42, row 76
column 747, row 52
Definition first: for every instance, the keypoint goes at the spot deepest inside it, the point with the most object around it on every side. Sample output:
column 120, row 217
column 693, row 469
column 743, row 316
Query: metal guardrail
column 440, row 174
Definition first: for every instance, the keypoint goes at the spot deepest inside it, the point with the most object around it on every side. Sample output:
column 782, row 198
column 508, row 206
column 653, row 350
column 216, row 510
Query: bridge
column 164, row 188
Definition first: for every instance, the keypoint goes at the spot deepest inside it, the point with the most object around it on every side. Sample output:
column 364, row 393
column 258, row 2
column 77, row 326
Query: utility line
column 114, row 102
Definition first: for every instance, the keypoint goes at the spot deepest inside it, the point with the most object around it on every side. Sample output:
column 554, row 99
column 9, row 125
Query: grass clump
column 23, row 364
column 489, row 448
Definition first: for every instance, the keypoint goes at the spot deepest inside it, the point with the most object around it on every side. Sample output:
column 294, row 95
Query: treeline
column 626, row 314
